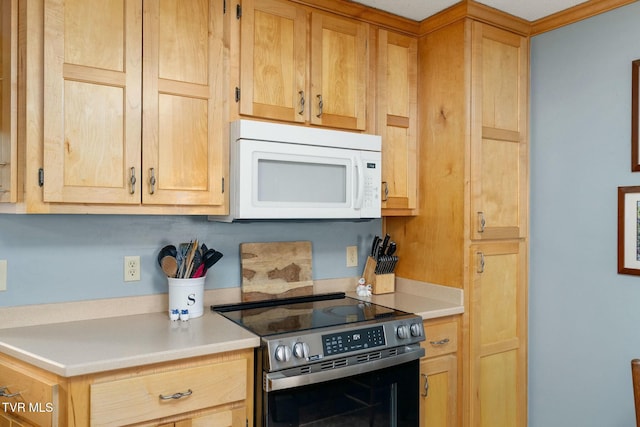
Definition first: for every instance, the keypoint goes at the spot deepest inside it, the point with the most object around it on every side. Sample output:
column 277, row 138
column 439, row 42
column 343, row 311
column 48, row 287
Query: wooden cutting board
column 276, row 270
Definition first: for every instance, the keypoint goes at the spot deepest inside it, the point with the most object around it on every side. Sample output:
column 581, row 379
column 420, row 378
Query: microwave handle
column 360, row 177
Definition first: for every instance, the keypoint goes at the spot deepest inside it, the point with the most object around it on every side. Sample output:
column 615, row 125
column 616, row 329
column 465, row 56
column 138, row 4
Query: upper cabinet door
column 92, row 101
column 397, row 121
column 273, row 60
column 499, row 133
column 8, row 101
column 183, row 122
column 339, row 59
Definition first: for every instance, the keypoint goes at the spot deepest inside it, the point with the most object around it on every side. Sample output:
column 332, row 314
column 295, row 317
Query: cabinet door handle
column 386, row 191
column 176, row 396
column 441, row 342
column 3, row 393
column 301, row 110
column 481, row 222
column 480, row 262
column 132, row 181
column 426, row 385
column 320, row 105
column 152, row 180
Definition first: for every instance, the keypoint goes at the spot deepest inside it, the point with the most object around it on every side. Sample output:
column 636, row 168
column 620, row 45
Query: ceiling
column 531, row 10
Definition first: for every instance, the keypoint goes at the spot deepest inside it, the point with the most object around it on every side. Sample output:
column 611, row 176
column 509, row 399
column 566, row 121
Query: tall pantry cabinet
column 471, row 230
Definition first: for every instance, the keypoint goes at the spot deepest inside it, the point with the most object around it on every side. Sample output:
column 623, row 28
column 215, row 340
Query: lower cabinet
column 439, row 374
column 27, row 397
column 9, row 421
column 215, row 390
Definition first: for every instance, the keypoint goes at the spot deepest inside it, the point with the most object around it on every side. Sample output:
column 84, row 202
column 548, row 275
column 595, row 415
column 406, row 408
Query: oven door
column 386, row 397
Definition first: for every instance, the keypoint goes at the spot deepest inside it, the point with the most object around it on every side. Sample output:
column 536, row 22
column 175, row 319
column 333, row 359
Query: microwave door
column 298, row 181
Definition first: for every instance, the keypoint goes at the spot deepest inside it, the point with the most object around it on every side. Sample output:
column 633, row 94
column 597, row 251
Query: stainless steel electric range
column 331, row 360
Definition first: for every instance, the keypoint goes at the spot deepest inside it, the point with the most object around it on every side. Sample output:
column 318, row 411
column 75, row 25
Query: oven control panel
column 290, row 350
column 361, row 339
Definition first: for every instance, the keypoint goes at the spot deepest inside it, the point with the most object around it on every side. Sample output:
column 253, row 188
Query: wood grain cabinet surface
column 8, row 100
column 28, row 397
column 499, row 133
column 397, row 120
column 302, row 65
column 132, row 103
column 440, row 391
column 214, row 390
column 471, row 230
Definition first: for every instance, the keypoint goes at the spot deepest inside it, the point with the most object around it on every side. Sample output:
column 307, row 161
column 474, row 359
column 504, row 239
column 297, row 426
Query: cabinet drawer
column 441, row 338
column 36, row 400
column 136, row 399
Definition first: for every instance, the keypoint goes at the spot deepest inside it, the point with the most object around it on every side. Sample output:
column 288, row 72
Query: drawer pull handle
column 320, row 105
column 426, row 386
column 481, row 222
column 3, row 393
column 301, row 110
column 152, row 181
column 132, row 181
column 441, row 342
column 178, row 395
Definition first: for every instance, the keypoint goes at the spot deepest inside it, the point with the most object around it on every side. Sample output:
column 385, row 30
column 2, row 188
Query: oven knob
column 416, row 331
column 283, row 353
column 301, row 350
column 402, row 331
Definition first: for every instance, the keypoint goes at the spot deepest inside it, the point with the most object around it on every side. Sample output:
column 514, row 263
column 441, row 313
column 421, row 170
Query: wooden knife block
column 380, row 283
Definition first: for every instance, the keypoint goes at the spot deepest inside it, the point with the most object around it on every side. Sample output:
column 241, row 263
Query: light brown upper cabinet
column 397, row 80
column 8, row 100
column 133, row 96
column 499, row 148
column 281, row 78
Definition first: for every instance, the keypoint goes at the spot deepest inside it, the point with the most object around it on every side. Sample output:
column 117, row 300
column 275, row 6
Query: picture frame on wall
column 635, row 113
column 629, row 230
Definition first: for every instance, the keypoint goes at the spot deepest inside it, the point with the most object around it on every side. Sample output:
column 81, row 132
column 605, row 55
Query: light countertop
column 86, row 346
column 89, row 346
column 424, row 299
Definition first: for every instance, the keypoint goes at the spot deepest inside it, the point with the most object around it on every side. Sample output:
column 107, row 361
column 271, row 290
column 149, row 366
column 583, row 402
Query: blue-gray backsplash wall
column 58, row 258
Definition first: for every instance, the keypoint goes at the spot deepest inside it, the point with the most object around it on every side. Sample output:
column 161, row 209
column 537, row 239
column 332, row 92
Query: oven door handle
column 274, row 381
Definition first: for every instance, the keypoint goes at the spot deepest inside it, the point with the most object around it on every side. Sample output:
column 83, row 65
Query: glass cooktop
column 298, row 314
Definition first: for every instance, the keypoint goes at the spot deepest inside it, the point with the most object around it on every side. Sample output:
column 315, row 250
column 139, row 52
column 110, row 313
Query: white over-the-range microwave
column 280, row 171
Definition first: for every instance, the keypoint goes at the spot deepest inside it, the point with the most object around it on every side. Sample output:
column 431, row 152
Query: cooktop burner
column 272, row 317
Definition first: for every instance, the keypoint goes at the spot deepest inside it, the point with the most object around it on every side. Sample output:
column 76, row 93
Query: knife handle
column 392, row 248
column 374, row 246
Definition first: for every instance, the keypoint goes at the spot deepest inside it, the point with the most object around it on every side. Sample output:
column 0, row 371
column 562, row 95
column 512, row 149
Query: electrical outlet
column 131, row 268
column 3, row 274
column 352, row 256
